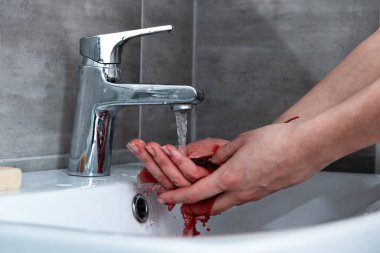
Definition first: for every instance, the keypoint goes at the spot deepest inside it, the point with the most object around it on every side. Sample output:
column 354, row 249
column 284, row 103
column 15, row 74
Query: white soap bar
column 10, row 178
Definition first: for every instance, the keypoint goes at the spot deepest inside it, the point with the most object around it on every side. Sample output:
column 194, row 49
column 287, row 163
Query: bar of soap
column 10, row 178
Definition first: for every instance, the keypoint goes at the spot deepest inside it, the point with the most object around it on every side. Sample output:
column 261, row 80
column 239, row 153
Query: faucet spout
column 102, row 94
column 181, row 108
column 150, row 94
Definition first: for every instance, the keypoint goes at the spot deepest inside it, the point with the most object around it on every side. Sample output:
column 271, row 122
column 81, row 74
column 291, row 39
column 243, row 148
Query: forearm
column 345, row 128
column 358, row 70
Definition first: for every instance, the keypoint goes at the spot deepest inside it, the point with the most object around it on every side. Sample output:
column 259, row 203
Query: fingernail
column 150, row 150
column 166, row 150
column 133, row 148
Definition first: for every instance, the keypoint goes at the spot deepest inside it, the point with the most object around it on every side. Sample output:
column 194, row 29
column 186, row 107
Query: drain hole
column 140, row 208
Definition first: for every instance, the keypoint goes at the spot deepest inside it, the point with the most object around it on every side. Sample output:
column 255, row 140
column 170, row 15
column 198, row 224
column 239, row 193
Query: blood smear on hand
column 191, row 213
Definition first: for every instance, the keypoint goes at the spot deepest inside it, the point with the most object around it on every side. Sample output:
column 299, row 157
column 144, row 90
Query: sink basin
column 54, row 212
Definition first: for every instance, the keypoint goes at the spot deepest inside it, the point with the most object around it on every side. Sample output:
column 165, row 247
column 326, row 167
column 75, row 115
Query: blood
column 204, row 160
column 291, row 119
column 101, row 137
column 206, row 163
column 145, row 177
column 196, row 150
column 170, row 207
column 191, row 213
column 201, row 211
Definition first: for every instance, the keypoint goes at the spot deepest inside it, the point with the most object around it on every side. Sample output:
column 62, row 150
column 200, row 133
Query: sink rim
column 346, row 227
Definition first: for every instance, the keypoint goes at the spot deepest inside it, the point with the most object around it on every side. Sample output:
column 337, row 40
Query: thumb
column 226, row 151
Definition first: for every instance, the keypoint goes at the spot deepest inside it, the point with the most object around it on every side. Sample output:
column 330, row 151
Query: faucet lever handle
column 107, row 48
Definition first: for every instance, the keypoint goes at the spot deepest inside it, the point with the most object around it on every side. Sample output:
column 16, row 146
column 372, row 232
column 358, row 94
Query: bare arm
column 347, row 127
column 338, row 116
column 252, row 167
column 358, row 70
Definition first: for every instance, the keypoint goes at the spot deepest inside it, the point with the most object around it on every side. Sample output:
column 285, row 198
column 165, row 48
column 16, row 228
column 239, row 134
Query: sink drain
column 140, row 208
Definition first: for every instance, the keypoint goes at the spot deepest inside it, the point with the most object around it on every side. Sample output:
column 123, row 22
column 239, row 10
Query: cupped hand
column 169, row 166
column 254, row 165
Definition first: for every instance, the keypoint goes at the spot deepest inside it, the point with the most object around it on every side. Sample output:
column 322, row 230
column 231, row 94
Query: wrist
column 315, row 144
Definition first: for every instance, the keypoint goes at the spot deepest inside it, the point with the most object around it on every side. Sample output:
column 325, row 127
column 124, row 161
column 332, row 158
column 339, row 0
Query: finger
column 166, row 165
column 137, row 147
column 225, row 152
column 223, row 202
column 190, row 170
column 230, row 199
column 200, row 190
column 204, row 148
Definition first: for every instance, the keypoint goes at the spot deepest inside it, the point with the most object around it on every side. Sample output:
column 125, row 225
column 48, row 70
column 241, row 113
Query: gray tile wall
column 167, row 59
column 256, row 58
column 253, row 58
column 39, row 45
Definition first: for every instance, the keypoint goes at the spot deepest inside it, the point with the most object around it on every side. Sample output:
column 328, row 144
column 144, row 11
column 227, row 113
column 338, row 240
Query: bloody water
column 191, row 213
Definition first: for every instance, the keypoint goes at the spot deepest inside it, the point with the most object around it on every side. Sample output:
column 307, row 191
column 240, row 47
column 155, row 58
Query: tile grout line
column 31, row 158
column 141, row 68
column 194, row 70
column 377, row 145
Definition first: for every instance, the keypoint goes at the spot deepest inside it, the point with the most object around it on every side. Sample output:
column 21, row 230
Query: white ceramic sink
column 54, row 212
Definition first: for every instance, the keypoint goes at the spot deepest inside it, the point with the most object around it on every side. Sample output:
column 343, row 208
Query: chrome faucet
column 102, row 94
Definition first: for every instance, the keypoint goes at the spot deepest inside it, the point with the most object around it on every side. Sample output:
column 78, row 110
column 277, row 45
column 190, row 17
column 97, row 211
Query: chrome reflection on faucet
column 102, row 94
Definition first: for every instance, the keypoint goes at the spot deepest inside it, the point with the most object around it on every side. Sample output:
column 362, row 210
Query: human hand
column 169, row 166
column 254, row 165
